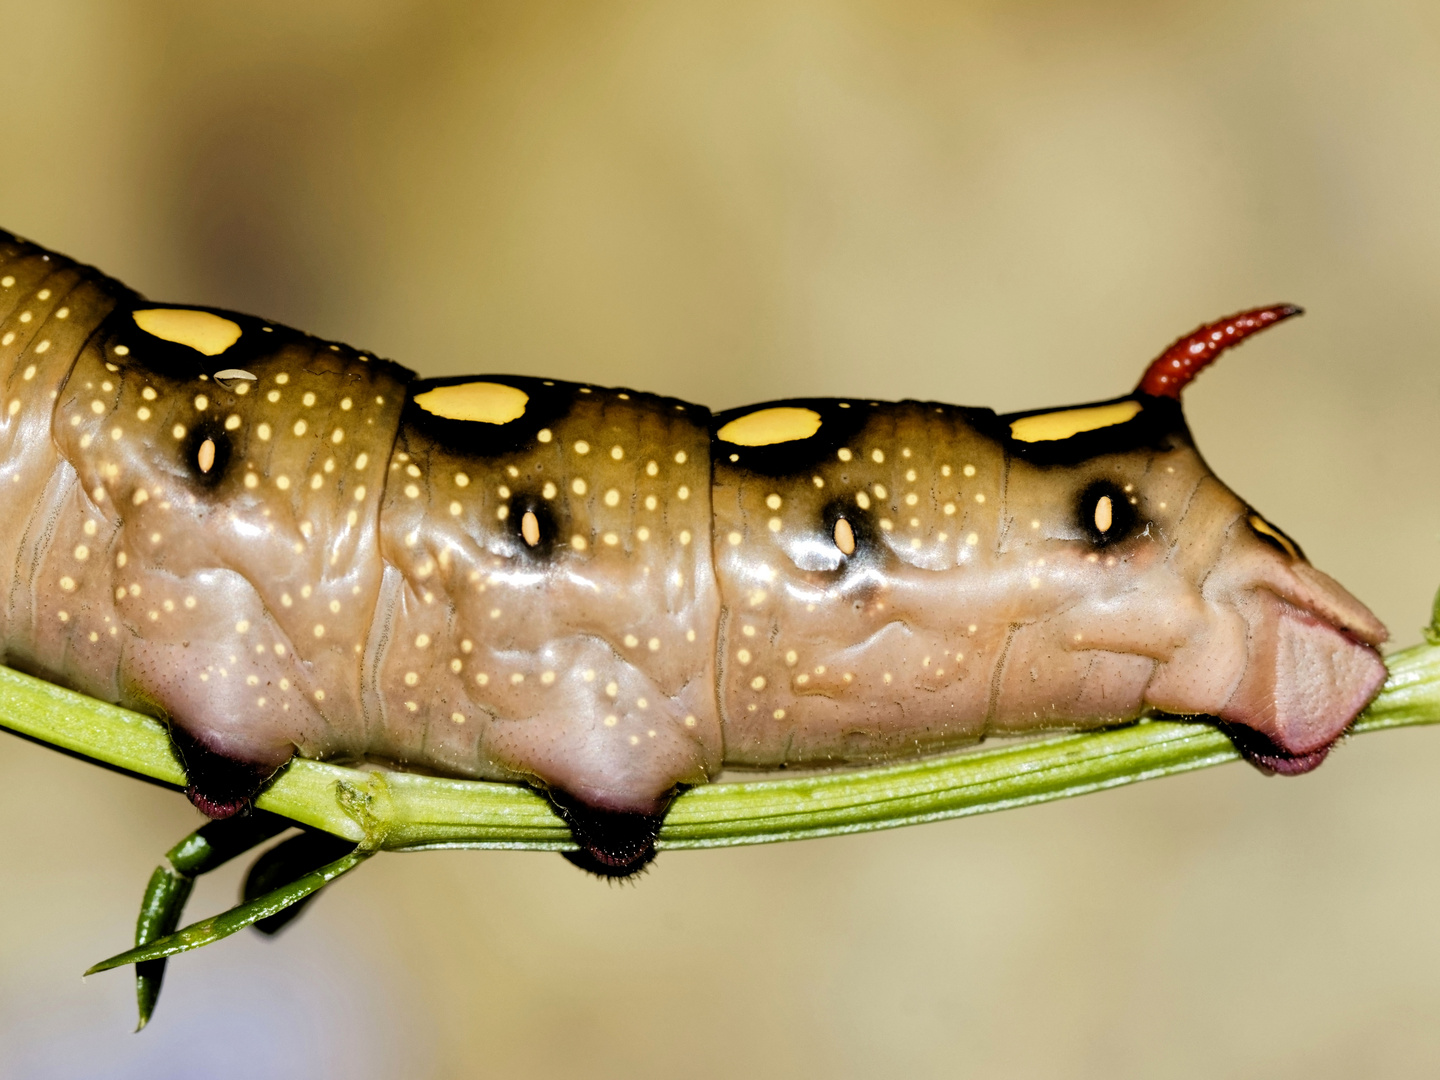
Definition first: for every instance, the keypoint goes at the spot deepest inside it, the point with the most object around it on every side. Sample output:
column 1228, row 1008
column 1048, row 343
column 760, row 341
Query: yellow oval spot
column 766, row 427
column 200, row 330
column 206, row 457
column 483, row 402
column 530, row 528
column 1047, row 427
column 1104, row 514
column 844, row 540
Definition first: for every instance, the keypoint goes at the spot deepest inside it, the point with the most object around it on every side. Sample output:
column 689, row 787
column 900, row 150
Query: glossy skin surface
column 979, row 601
column 287, row 546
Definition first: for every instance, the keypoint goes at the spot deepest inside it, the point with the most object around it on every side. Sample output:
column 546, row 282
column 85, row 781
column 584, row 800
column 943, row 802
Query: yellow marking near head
column 200, row 330
column 1262, row 526
column 766, row 427
column 483, row 402
column 1047, row 427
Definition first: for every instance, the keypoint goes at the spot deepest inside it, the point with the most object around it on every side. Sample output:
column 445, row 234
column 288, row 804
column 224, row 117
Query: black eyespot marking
column 844, row 538
column 1105, row 514
column 533, row 525
column 205, row 454
column 1274, row 536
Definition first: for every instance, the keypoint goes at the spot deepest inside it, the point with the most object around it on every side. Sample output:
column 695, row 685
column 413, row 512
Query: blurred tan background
column 1008, row 204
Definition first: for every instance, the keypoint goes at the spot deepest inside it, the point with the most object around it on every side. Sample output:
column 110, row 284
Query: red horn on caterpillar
column 1173, row 369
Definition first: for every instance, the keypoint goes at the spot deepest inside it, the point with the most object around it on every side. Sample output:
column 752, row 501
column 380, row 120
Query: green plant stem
column 406, row 812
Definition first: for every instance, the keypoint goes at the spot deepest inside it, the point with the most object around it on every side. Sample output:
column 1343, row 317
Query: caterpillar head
column 1231, row 617
column 903, row 576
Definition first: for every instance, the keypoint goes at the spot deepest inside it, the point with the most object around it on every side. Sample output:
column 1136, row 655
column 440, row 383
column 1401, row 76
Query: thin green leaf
column 160, row 910
column 223, row 925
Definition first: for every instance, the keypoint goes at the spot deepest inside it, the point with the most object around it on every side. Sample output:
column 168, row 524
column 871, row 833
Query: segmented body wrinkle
column 283, row 545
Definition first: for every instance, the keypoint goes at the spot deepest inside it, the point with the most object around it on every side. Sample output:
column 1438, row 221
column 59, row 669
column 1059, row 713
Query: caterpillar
column 285, row 546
